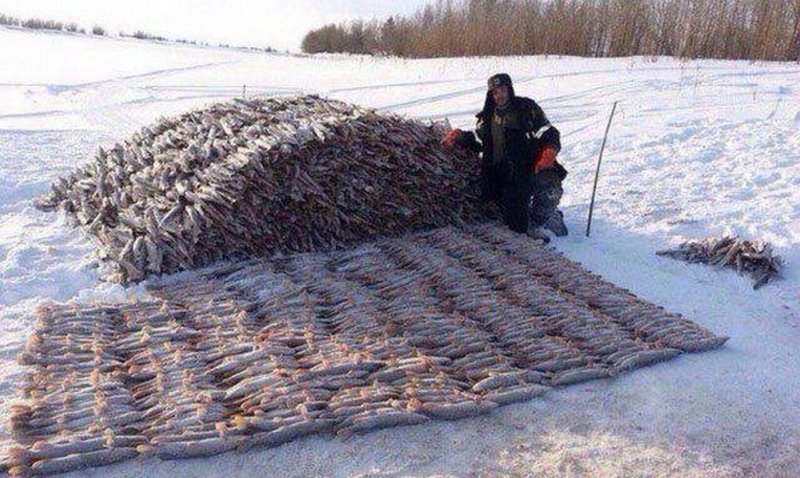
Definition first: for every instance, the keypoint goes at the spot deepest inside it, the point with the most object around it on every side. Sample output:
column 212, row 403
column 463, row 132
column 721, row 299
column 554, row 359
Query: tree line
column 725, row 29
column 54, row 25
column 40, row 24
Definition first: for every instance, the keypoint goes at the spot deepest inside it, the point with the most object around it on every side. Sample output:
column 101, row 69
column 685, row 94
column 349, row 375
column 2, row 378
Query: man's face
column 500, row 94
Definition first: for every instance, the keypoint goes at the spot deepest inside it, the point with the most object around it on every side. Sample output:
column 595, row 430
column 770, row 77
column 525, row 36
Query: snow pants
column 525, row 199
column 545, row 196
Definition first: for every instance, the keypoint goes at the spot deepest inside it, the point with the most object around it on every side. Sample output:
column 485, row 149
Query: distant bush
column 732, row 29
column 39, row 24
column 266, row 49
column 11, row 21
column 140, row 35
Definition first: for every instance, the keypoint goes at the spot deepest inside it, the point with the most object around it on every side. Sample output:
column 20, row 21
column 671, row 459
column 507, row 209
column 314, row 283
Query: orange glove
column 545, row 159
column 451, row 138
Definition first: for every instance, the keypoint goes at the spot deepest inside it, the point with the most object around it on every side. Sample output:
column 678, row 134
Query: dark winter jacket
column 522, row 143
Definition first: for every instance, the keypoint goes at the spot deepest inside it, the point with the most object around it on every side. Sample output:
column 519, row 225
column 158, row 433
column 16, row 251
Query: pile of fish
column 435, row 325
column 255, row 177
column 754, row 258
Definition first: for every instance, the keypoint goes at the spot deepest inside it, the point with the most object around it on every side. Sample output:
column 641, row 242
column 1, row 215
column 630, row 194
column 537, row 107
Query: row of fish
column 438, row 325
column 754, row 258
column 254, row 177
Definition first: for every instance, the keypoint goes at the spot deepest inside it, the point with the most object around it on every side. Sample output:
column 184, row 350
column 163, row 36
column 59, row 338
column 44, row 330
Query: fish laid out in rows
column 443, row 324
column 755, row 258
column 255, row 177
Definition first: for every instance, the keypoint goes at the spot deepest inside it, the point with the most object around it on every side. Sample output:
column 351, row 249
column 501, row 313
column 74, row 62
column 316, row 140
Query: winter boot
column 540, row 233
column 555, row 223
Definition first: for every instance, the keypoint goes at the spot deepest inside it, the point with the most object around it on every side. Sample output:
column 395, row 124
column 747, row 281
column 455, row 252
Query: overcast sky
column 277, row 23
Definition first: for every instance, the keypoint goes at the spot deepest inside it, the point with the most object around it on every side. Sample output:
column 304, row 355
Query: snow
column 697, row 148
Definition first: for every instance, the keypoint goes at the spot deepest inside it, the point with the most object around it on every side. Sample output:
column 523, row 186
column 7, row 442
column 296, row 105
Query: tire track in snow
column 110, row 115
column 468, row 91
column 57, row 89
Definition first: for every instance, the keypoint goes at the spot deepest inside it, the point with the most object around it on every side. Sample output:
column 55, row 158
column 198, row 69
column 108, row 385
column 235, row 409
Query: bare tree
column 736, row 29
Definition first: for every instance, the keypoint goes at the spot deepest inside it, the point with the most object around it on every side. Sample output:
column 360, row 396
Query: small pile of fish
column 436, row 325
column 754, row 258
column 260, row 176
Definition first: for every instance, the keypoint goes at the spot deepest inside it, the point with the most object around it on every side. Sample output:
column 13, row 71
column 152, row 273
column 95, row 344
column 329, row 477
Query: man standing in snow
column 519, row 170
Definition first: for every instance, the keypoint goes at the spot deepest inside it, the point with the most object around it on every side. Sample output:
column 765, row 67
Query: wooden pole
column 597, row 172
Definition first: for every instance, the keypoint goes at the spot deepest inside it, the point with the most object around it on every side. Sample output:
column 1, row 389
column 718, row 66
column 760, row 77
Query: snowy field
column 698, row 148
